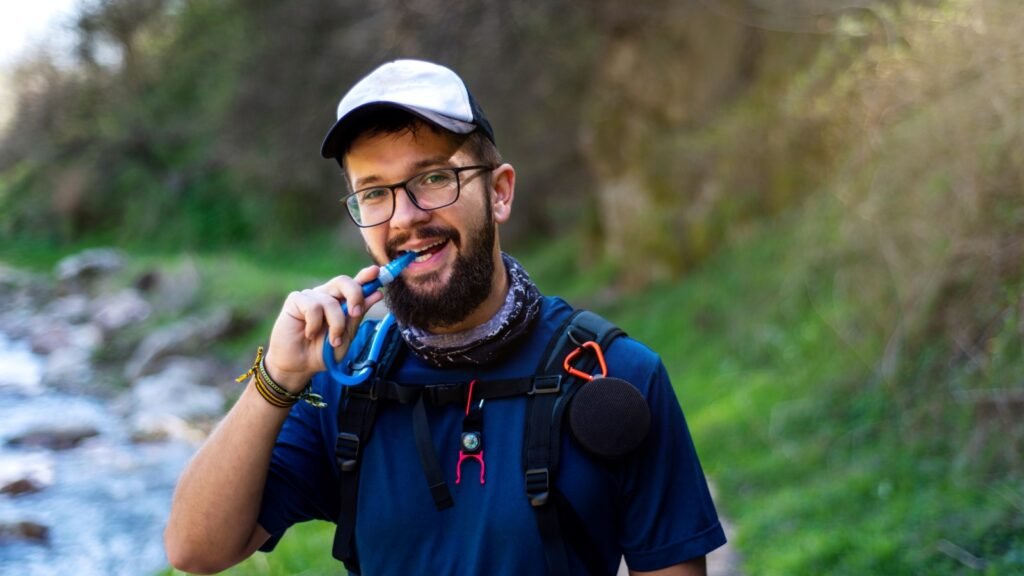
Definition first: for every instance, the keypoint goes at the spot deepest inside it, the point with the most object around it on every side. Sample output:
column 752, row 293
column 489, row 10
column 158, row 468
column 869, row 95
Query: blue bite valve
column 387, row 275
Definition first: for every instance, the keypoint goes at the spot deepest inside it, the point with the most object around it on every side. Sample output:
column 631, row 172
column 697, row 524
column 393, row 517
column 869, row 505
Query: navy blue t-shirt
column 653, row 507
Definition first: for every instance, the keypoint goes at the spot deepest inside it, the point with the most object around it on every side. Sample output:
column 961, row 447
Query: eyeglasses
column 428, row 190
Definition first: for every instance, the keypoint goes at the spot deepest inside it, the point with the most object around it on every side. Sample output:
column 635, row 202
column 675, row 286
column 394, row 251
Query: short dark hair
column 396, row 121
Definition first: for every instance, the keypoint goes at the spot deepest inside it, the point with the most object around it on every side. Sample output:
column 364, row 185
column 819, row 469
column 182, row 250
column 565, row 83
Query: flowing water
column 109, row 497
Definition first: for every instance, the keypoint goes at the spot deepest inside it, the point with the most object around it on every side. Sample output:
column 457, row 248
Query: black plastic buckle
column 538, row 486
column 346, row 451
column 546, row 385
column 444, row 394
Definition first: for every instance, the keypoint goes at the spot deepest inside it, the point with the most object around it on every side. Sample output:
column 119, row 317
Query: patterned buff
column 487, row 341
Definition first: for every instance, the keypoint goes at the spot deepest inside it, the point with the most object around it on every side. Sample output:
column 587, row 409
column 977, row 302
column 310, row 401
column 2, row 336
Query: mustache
column 424, row 233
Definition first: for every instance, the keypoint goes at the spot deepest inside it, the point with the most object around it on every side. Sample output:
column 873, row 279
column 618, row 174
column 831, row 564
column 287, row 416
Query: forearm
column 217, row 501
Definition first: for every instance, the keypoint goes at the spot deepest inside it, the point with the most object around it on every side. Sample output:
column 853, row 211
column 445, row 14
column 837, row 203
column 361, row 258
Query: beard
column 467, row 288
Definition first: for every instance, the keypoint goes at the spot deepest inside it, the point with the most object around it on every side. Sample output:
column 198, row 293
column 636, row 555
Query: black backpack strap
column 436, row 482
column 356, row 415
column 552, row 391
column 449, row 393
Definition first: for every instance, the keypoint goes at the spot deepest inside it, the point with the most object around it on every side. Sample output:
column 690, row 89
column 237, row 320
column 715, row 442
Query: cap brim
column 340, row 135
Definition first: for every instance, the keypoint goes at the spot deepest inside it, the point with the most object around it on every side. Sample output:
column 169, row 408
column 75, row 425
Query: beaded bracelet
column 273, row 392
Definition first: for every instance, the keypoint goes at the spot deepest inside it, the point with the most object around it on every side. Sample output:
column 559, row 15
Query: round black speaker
column 609, row 417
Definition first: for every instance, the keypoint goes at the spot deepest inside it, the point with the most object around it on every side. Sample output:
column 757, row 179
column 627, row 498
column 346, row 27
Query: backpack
column 549, row 391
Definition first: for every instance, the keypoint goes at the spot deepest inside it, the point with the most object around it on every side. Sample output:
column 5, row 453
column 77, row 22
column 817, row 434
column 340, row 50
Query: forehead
column 391, row 157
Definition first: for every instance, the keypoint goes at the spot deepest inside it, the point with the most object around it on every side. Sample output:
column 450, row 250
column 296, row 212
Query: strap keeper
column 546, row 385
column 346, row 451
column 538, row 486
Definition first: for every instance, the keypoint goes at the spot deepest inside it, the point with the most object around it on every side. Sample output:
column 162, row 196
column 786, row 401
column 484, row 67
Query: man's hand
column 213, row 522
column 296, row 342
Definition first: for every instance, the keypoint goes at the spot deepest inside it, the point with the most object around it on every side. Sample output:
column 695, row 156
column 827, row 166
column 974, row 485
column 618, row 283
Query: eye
column 436, row 179
column 374, row 195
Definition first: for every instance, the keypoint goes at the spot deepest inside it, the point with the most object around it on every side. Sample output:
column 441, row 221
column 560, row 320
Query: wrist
column 276, row 394
column 291, row 381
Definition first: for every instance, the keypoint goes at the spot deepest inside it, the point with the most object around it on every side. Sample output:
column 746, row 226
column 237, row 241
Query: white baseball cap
column 430, row 91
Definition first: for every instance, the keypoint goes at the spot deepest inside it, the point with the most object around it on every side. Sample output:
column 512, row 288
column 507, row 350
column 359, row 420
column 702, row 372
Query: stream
column 106, row 501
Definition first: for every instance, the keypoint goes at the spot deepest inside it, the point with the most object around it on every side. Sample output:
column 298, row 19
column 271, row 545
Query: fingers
column 350, row 291
column 308, row 314
column 315, row 309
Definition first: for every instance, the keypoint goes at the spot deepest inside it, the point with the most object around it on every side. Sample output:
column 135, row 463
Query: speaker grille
column 609, row 417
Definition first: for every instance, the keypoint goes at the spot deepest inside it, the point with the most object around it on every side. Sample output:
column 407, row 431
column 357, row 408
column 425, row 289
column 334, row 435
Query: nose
column 407, row 213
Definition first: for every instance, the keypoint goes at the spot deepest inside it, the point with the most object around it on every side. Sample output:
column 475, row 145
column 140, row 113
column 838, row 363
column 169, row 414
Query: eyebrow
column 418, row 165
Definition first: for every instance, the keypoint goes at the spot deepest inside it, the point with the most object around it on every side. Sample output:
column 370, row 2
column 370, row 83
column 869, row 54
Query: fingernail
column 336, row 342
column 356, row 310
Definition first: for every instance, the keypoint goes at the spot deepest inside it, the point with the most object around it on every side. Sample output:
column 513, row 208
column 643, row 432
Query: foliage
column 928, row 222
column 822, row 467
column 196, row 124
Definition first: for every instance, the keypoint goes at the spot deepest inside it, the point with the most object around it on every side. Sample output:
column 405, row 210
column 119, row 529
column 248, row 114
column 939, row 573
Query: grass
column 823, row 466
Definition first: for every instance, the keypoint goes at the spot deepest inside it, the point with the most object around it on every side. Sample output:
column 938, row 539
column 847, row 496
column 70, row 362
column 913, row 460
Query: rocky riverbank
column 106, row 387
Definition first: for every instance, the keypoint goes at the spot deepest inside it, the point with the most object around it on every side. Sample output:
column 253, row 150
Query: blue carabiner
column 337, row 371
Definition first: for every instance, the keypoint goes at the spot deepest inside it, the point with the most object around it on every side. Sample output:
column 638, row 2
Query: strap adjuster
column 546, row 385
column 346, row 451
column 442, row 394
column 538, row 486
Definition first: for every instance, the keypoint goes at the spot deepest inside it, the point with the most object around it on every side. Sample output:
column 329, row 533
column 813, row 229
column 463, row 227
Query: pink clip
column 463, row 457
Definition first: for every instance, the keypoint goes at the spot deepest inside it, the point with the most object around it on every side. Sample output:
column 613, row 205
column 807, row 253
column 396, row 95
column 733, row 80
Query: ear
column 503, row 191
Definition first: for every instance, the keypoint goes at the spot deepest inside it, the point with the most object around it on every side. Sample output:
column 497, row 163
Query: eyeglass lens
column 429, row 191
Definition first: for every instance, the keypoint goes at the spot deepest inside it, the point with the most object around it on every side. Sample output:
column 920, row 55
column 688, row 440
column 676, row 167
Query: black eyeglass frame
column 458, row 170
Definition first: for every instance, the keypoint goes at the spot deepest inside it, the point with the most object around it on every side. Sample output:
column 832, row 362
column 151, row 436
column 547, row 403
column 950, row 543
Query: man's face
column 455, row 273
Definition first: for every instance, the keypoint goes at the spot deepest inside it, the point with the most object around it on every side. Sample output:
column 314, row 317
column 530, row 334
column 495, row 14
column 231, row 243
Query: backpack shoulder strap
column 356, row 414
column 552, row 391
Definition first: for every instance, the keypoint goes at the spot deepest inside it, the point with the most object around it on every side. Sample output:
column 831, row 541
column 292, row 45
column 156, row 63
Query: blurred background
column 812, row 209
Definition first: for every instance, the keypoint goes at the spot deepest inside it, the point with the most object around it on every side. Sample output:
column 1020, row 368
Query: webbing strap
column 555, row 552
column 574, row 530
column 428, row 457
column 356, row 415
column 453, row 392
column 543, row 434
column 353, row 432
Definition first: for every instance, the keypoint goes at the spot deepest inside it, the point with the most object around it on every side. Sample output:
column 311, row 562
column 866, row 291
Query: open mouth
column 425, row 254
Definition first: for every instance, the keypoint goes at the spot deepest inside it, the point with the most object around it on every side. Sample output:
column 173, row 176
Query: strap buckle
column 538, row 486
column 442, row 394
column 346, row 451
column 546, row 385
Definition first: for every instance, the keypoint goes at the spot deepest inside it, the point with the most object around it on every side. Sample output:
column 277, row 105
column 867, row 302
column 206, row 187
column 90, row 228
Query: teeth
column 423, row 257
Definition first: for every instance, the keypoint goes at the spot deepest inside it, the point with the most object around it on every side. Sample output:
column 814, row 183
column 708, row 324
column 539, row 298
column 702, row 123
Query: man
column 425, row 175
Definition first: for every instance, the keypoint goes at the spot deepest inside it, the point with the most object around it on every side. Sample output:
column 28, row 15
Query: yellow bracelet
column 273, row 392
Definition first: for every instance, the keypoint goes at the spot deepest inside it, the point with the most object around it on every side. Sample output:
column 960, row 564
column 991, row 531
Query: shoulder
column 632, row 355
column 627, row 357
column 625, row 352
